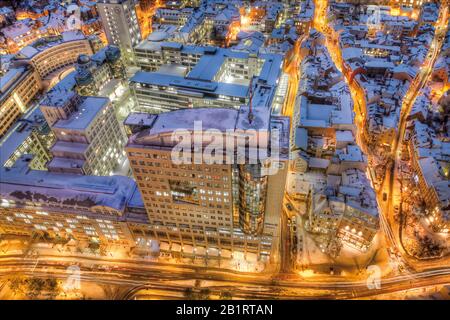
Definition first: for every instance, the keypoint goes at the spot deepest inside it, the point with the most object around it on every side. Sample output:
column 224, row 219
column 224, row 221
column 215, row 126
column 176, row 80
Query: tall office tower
column 228, row 208
column 89, row 138
column 121, row 24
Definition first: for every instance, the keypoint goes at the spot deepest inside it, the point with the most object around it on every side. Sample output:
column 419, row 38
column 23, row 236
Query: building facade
column 89, row 138
column 430, row 165
column 51, row 54
column 50, row 207
column 94, row 72
column 121, row 25
column 193, row 76
column 17, row 89
column 227, row 210
column 31, row 135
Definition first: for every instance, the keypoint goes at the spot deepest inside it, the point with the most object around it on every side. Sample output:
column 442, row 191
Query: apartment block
column 54, row 53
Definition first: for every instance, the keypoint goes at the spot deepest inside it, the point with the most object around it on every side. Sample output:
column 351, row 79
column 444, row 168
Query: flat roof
column 19, row 133
column 140, row 118
column 225, row 120
column 7, row 80
column 87, row 111
column 21, row 184
column 186, row 118
column 69, row 147
column 207, row 67
column 65, row 163
column 155, row 78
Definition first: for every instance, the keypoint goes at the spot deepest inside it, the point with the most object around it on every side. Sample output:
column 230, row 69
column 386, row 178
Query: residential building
column 328, row 169
column 19, row 35
column 347, row 212
column 430, row 158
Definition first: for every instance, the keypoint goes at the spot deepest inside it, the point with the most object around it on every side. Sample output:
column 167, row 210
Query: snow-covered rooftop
column 23, row 185
column 86, row 113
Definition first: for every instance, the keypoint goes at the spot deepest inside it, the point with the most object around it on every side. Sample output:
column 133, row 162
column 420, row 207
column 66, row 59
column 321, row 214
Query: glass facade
column 252, row 198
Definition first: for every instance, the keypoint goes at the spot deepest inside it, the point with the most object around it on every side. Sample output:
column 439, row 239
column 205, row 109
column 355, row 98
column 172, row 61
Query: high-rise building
column 228, row 208
column 89, row 138
column 121, row 24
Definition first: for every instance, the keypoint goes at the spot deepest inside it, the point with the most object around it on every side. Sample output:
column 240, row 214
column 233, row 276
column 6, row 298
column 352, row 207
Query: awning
column 165, row 246
column 225, row 253
column 176, row 247
column 252, row 257
column 199, row 250
column 214, row 252
column 187, row 248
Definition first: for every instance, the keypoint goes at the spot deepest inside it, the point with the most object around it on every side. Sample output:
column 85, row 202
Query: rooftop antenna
column 250, row 110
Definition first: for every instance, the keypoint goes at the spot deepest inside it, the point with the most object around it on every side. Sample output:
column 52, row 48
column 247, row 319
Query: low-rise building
column 192, row 76
column 56, row 208
column 305, row 17
column 52, row 54
column 328, row 169
column 430, row 158
column 20, row 34
column 346, row 212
